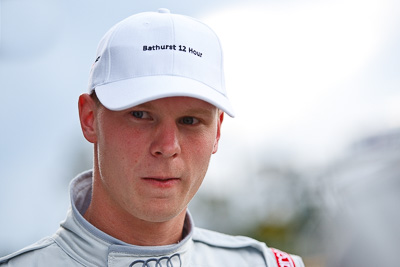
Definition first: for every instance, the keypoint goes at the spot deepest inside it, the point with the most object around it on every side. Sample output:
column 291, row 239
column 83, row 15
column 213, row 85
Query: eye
column 140, row 114
column 189, row 120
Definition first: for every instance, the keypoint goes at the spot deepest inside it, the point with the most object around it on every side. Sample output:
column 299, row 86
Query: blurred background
column 311, row 163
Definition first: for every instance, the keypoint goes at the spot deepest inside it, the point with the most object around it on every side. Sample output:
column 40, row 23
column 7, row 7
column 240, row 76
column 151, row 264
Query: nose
column 166, row 142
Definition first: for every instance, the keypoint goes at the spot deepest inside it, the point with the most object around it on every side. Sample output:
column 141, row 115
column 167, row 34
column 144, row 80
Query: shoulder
column 43, row 243
column 45, row 252
column 241, row 250
column 217, row 239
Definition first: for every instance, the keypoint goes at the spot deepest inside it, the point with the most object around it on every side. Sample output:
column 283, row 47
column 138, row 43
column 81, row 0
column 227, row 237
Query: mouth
column 161, row 182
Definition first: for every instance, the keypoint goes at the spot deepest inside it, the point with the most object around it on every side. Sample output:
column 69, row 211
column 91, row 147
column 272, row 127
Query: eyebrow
column 146, row 105
column 201, row 111
column 196, row 111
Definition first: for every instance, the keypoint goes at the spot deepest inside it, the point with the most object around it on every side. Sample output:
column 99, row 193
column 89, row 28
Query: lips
column 161, row 182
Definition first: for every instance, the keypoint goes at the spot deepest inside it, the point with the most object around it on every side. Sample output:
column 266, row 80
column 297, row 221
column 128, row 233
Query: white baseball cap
column 153, row 55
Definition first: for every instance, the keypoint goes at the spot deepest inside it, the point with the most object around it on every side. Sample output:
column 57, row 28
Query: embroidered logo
column 283, row 259
column 97, row 59
column 161, row 262
column 181, row 48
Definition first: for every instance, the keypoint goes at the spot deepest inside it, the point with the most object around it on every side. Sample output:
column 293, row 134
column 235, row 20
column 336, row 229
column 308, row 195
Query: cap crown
column 159, row 45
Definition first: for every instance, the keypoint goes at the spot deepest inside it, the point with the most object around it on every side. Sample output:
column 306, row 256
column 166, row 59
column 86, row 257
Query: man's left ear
column 219, row 122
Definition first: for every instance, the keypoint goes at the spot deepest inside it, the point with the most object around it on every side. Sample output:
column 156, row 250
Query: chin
column 163, row 215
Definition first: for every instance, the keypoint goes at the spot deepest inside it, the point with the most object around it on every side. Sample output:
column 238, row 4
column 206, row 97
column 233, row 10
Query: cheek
column 118, row 139
column 118, row 150
column 201, row 150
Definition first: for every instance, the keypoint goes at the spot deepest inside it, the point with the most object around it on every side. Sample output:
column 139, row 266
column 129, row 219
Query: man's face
column 151, row 159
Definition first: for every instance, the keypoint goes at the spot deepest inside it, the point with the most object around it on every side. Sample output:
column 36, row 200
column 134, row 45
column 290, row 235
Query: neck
column 135, row 231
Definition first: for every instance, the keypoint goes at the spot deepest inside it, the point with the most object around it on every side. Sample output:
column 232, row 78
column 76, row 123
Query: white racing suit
column 78, row 243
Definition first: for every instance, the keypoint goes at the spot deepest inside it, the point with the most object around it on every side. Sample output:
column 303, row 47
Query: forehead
column 178, row 103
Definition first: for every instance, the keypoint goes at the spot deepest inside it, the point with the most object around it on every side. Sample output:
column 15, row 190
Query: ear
column 87, row 111
column 219, row 123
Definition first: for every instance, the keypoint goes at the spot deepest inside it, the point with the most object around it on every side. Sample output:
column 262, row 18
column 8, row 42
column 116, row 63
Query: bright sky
column 298, row 73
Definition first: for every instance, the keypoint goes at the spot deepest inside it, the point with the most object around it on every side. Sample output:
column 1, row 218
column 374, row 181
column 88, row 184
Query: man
column 154, row 111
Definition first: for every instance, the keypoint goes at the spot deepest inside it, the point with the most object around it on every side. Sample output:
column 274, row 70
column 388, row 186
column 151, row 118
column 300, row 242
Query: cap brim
column 128, row 93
